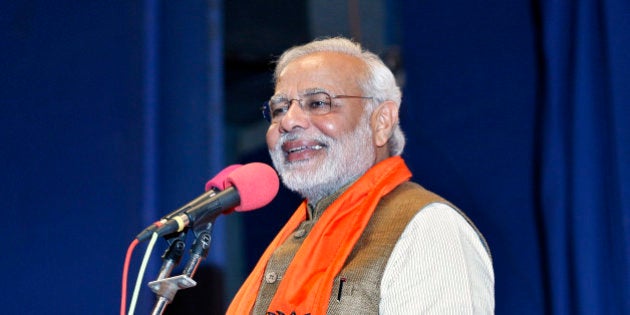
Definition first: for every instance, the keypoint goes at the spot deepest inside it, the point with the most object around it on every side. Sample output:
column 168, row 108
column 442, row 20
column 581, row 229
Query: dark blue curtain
column 519, row 112
column 585, row 155
column 110, row 116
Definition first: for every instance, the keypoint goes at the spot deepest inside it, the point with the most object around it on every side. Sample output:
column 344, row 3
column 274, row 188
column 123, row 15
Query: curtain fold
column 584, row 169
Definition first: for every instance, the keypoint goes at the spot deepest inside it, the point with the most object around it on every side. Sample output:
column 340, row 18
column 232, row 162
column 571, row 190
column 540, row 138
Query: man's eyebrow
column 312, row 91
column 279, row 97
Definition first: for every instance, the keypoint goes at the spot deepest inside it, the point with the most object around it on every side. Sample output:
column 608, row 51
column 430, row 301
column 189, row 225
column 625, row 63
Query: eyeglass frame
column 266, row 108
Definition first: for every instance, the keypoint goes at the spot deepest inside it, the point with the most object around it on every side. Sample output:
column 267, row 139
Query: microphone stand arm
column 166, row 288
column 173, row 254
column 200, row 248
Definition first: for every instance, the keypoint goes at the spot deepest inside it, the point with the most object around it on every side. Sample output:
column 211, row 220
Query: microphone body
column 146, row 233
column 213, row 186
column 214, row 206
column 249, row 187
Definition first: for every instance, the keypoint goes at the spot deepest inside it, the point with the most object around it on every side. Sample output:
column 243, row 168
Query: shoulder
column 439, row 248
column 441, row 224
column 402, row 203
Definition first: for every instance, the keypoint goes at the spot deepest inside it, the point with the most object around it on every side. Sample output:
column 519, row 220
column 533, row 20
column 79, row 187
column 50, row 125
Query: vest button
column 299, row 233
column 271, row 277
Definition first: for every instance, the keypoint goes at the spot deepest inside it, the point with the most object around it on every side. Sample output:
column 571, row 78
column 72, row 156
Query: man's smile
column 301, row 149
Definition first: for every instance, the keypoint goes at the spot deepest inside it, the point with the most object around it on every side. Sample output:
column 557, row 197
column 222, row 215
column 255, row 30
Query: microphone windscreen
column 218, row 181
column 257, row 184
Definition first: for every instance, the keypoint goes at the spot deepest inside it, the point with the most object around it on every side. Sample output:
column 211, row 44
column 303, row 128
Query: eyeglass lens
column 314, row 104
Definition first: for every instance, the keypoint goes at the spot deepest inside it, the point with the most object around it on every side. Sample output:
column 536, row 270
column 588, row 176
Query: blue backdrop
column 111, row 114
column 519, row 112
column 584, row 156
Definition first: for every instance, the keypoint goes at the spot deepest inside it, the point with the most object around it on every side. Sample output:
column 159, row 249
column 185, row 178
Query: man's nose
column 294, row 117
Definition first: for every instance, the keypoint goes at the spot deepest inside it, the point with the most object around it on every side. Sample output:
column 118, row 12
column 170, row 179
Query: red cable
column 123, row 298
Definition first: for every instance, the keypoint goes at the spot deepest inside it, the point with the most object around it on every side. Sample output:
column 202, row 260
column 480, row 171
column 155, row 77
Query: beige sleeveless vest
column 356, row 289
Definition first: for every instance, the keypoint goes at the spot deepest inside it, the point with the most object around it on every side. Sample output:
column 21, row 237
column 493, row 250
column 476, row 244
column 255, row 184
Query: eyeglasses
column 315, row 104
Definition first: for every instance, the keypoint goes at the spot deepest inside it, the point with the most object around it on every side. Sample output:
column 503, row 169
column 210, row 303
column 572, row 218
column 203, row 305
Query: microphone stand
column 166, row 288
column 173, row 254
column 200, row 247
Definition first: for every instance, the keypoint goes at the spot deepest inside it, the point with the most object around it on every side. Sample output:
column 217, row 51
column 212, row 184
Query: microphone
column 250, row 187
column 214, row 185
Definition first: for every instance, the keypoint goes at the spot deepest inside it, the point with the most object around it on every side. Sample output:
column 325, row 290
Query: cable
column 123, row 297
column 143, row 267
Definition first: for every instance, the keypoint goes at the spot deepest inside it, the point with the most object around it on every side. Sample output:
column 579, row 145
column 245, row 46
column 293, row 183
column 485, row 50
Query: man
column 365, row 240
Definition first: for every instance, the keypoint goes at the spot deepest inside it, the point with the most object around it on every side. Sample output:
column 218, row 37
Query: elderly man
column 365, row 240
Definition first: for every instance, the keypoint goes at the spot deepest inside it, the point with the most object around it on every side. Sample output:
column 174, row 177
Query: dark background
column 113, row 113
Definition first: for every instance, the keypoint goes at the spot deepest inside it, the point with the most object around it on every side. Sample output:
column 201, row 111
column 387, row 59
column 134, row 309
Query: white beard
column 348, row 157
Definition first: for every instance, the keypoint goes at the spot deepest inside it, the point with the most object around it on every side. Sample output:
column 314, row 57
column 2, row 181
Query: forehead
column 335, row 72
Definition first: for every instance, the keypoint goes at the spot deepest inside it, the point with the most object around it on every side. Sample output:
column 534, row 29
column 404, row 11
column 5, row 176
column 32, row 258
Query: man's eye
column 318, row 104
column 277, row 111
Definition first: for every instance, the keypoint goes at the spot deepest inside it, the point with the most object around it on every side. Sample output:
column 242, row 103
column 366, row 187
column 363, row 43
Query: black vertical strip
column 341, row 282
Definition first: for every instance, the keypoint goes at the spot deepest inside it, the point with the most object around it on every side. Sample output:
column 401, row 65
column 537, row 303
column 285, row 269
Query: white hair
column 378, row 81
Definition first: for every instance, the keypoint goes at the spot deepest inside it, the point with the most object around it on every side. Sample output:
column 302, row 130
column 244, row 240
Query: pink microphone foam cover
column 257, row 184
column 218, row 181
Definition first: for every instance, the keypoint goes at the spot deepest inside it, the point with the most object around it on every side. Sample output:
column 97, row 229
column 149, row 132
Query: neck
column 327, row 192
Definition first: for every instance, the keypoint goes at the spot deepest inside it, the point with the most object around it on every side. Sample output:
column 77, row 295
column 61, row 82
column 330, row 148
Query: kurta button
column 299, row 233
column 271, row 277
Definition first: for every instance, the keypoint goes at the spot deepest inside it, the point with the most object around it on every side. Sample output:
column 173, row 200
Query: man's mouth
column 302, row 148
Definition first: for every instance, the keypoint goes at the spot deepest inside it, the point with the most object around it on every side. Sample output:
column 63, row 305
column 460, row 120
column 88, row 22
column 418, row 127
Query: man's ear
column 383, row 120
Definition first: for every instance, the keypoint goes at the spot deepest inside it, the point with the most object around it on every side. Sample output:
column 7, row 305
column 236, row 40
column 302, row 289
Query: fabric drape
column 585, row 180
